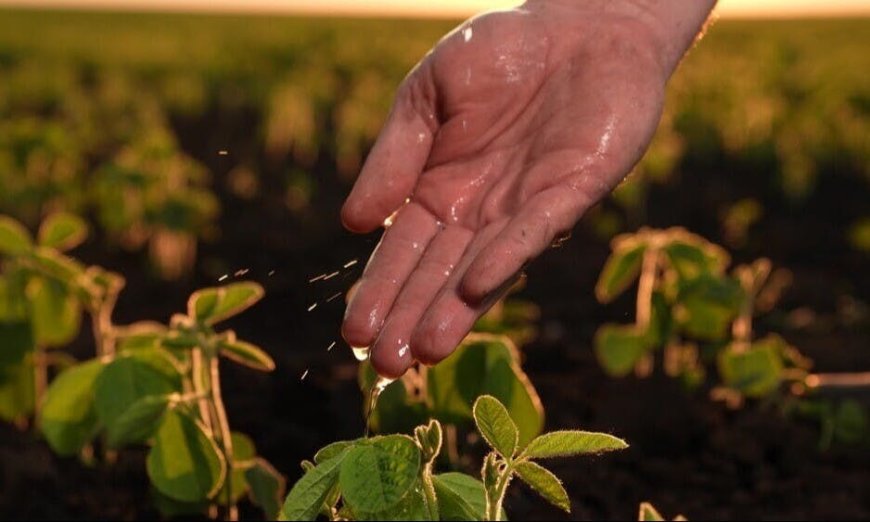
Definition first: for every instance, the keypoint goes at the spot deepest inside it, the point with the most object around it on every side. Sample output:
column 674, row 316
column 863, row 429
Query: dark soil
column 688, row 455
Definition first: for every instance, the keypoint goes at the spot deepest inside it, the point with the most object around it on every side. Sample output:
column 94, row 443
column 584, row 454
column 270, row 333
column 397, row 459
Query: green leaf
column 14, row 238
column 247, row 354
column 484, row 365
column 648, row 513
column 16, row 390
column 123, row 383
column 56, row 314
column 266, row 487
column 495, row 425
column 568, row 443
column 16, row 341
column 212, row 305
column 708, row 305
column 376, row 474
column 184, row 463
column 411, row 507
column 307, row 495
column 460, row 497
column 68, row 417
column 330, row 451
column 851, row 422
column 139, row 421
column 691, row 255
column 619, row 348
column 620, row 270
column 62, row 231
column 56, row 265
column 755, row 372
column 544, row 483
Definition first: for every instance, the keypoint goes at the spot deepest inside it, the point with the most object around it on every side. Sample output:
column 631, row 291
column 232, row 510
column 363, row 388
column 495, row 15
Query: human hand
column 499, row 140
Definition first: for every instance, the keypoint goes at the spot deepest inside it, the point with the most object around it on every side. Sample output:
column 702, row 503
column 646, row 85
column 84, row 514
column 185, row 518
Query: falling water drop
column 380, row 385
column 223, row 277
column 304, row 375
column 361, row 353
column 330, row 347
column 312, row 307
column 351, row 263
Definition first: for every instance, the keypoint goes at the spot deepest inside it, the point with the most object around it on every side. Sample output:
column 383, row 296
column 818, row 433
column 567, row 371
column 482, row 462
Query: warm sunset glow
column 727, row 8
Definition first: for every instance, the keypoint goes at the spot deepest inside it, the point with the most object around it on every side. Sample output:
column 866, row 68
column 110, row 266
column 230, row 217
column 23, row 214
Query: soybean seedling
column 392, row 477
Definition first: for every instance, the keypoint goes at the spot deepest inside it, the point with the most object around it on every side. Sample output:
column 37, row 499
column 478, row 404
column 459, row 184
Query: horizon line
column 269, row 7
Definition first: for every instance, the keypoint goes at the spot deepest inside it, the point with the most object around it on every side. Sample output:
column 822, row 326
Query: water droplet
column 333, row 296
column 330, row 347
column 222, row 153
column 467, row 33
column 415, row 245
column 304, row 375
column 561, row 239
column 351, row 263
column 241, row 272
column 223, row 277
column 312, row 307
column 390, row 219
column 421, row 137
column 316, row 278
column 330, row 276
column 374, row 393
column 361, row 353
column 403, row 350
column 271, row 273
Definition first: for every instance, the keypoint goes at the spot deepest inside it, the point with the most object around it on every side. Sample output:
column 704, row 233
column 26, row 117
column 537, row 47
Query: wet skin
column 499, row 140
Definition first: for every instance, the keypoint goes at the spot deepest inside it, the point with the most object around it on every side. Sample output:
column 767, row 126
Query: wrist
column 670, row 25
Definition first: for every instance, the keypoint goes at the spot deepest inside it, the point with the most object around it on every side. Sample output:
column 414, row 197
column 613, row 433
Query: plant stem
column 429, row 492
column 198, row 377
column 645, row 287
column 838, row 380
column 40, row 382
column 222, row 426
column 495, row 501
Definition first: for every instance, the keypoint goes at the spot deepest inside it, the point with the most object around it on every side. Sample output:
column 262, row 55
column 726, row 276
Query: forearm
column 672, row 24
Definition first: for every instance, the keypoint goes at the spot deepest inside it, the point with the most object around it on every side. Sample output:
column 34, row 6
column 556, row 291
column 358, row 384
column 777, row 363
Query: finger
column 389, row 266
column 529, row 233
column 396, row 160
column 449, row 318
column 390, row 355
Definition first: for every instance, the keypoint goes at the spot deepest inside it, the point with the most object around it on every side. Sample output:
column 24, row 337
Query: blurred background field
column 204, row 145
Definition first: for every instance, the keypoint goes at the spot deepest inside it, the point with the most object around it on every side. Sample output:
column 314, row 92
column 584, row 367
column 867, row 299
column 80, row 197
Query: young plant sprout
column 161, row 386
column 392, row 477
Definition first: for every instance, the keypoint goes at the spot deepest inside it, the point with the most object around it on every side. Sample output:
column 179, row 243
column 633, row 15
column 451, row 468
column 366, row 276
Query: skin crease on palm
column 499, row 140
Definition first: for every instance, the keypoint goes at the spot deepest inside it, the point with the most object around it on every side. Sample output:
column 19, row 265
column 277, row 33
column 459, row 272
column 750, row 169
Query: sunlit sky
column 726, row 8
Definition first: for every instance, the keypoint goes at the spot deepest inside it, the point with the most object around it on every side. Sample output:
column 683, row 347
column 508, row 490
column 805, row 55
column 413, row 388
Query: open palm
column 501, row 138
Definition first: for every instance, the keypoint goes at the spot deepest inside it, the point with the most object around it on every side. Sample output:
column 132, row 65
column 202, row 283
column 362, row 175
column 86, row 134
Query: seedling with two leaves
column 392, row 477
column 162, row 387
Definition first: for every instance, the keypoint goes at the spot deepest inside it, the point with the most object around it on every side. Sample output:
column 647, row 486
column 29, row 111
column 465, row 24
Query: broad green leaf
column 143, row 335
column 460, row 497
column 691, row 255
column 707, row 305
column 56, row 265
column 544, row 483
column 62, row 231
column 755, row 372
column 495, row 425
column 376, row 474
column 851, row 422
column 16, row 390
column 14, row 238
column 569, row 443
column 139, row 421
column 307, row 495
column 649, row 514
column 171, row 509
column 247, row 354
column 411, row 507
column 619, row 348
column 184, row 463
column 212, row 305
column 68, row 417
column 122, row 384
column 620, row 270
column 484, row 365
column 16, row 341
column 330, row 451
column 266, row 487
column 56, row 314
